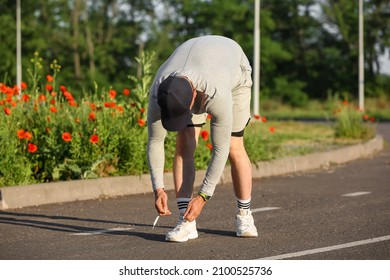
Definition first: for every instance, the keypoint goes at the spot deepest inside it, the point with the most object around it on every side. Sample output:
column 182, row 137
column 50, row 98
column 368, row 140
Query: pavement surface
column 337, row 212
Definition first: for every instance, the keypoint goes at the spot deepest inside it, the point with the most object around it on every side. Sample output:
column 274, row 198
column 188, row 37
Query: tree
column 342, row 18
column 94, row 41
column 183, row 20
column 308, row 47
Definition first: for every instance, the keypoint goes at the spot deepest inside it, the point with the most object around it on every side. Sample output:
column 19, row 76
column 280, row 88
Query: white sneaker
column 245, row 225
column 183, row 231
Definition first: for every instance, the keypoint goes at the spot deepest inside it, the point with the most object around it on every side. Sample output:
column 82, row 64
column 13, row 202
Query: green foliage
column 291, row 92
column 350, row 123
column 48, row 134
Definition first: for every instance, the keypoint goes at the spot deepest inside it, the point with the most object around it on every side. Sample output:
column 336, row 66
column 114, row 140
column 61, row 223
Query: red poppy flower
column 208, row 145
column 63, row 88
column 92, row 116
column 42, row 98
column 141, row 122
column 20, row 133
column 23, row 85
column 8, row 98
column 7, row 111
column 49, row 78
column 94, row 139
column 109, row 104
column 27, row 135
column 66, row 136
column 142, row 110
column 49, row 87
column 68, row 95
column 53, row 109
column 271, row 129
column 112, row 93
column 263, row 119
column 9, row 90
column 32, row 148
column 120, row 109
column 256, row 116
column 205, row 135
column 126, row 91
column 72, row 103
column 25, row 97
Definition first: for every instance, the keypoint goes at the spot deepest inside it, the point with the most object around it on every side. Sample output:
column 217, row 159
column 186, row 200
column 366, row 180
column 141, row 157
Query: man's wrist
column 159, row 190
column 204, row 196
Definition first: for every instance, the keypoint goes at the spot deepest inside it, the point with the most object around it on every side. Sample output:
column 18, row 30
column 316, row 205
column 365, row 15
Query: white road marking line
column 328, row 249
column 264, row 209
column 95, row 232
column 356, row 193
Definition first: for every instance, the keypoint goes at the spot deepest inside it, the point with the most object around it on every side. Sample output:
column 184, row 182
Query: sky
column 385, row 64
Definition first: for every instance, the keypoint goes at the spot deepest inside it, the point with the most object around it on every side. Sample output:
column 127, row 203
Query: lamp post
column 361, row 58
column 256, row 58
column 18, row 46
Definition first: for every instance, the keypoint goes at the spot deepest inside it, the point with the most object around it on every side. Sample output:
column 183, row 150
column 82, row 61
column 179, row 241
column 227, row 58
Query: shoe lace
column 244, row 221
column 179, row 223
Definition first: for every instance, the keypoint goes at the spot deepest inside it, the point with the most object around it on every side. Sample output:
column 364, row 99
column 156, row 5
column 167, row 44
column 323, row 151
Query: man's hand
column 161, row 202
column 194, row 208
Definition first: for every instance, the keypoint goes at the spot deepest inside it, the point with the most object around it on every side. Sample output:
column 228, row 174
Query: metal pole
column 18, row 46
column 256, row 58
column 361, row 58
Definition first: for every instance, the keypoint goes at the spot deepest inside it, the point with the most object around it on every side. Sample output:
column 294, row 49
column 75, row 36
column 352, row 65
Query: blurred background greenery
column 309, row 48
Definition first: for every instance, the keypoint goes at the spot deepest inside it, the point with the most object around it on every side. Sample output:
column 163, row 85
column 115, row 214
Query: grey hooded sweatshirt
column 218, row 67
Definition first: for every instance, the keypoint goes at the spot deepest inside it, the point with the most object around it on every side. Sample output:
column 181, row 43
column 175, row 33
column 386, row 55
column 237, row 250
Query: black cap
column 174, row 96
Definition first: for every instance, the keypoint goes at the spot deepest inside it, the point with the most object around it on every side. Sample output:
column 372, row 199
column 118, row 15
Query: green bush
column 291, row 92
column 49, row 133
column 350, row 122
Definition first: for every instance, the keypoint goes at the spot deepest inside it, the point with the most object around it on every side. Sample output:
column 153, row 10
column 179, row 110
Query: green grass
column 277, row 139
column 269, row 140
column 379, row 108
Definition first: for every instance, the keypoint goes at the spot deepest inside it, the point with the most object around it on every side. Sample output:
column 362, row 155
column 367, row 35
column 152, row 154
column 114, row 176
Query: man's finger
column 165, row 213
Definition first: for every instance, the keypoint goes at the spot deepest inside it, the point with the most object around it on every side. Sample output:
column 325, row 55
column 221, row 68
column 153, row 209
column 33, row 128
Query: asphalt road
column 342, row 212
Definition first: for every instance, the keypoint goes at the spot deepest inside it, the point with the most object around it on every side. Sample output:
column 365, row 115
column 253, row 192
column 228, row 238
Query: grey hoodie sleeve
column 155, row 147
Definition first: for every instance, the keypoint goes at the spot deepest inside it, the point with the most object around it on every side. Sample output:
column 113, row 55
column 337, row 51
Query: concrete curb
column 58, row 192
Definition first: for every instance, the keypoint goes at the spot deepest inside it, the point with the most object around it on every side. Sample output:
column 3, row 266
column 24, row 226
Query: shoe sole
column 193, row 235
column 247, row 235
